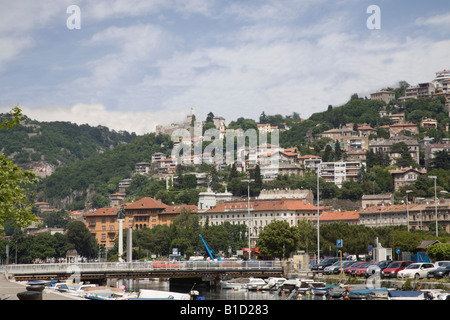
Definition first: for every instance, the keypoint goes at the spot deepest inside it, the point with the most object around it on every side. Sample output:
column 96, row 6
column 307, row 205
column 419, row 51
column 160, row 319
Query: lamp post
column 318, row 213
column 249, row 216
column 435, row 203
column 407, row 209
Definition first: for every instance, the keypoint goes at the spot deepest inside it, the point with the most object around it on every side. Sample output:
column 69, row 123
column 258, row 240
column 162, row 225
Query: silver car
column 335, row 268
column 375, row 270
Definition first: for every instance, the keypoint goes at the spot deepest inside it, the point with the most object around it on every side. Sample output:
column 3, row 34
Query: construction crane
column 209, row 250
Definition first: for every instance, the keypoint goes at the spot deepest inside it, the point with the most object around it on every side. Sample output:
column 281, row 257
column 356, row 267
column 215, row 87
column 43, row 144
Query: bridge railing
column 142, row 266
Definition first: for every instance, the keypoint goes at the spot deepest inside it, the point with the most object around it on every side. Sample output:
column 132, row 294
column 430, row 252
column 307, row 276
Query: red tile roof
column 177, row 209
column 340, row 215
column 146, row 203
column 104, row 212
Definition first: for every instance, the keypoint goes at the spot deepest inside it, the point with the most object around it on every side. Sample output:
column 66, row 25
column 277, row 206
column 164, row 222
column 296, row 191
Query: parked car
column 359, row 272
column 335, row 268
column 441, row 263
column 329, row 269
column 323, row 264
column 375, row 269
column 353, row 266
column 393, row 268
column 416, row 271
column 441, row 272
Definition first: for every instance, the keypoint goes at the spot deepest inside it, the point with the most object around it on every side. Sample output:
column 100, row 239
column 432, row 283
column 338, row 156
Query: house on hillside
column 405, row 176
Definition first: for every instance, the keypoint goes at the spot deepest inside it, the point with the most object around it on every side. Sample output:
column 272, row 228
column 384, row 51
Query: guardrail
column 145, row 266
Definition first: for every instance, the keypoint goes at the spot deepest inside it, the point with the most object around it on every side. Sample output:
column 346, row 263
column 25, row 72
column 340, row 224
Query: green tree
column 278, row 239
column 14, row 196
column 80, row 239
column 439, row 251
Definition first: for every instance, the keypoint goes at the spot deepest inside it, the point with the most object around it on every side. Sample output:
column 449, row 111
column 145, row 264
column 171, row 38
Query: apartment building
column 340, row 171
column 421, row 216
column 383, row 95
column 385, row 145
column 103, row 225
column 397, row 128
column 432, row 148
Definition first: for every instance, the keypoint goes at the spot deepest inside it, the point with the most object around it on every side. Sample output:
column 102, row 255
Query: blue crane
column 209, row 250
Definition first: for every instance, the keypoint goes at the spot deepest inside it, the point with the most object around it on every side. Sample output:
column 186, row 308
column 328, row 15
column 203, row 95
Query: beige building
column 405, row 176
column 383, row 95
column 376, row 200
column 421, row 216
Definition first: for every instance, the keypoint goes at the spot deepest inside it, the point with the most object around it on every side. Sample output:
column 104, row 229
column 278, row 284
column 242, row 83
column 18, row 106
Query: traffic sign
column 339, row 243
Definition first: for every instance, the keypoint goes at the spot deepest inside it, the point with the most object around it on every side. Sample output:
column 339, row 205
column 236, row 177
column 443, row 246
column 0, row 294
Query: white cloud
column 441, row 21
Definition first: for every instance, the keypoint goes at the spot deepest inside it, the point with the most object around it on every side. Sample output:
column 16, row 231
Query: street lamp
column 318, row 213
column 249, row 216
column 435, row 203
column 407, row 209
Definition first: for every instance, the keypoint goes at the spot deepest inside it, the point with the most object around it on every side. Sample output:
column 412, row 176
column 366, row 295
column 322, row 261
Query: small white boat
column 236, row 283
column 148, row 294
column 273, row 283
column 255, row 284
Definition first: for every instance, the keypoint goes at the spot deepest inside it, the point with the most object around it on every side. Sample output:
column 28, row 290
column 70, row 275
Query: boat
column 255, row 284
column 318, row 288
column 236, row 283
column 273, row 283
column 148, row 294
column 290, row 285
column 437, row 294
column 407, row 295
column 337, row 291
column 107, row 293
column 364, row 294
column 79, row 290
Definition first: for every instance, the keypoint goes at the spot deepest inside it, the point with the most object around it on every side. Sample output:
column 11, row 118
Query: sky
column 133, row 64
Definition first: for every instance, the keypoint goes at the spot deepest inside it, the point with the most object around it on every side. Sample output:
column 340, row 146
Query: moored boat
column 318, row 288
column 236, row 283
column 255, row 284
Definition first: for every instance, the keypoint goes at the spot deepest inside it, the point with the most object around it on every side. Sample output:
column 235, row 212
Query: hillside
column 99, row 173
column 93, row 166
column 45, row 146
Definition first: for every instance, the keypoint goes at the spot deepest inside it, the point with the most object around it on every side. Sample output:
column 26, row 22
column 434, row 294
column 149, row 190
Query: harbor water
column 210, row 293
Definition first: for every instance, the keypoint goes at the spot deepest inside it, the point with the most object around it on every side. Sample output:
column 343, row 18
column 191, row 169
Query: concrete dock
column 10, row 289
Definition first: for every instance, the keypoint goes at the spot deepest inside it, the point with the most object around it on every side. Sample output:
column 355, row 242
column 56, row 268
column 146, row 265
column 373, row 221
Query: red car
column 354, row 266
column 359, row 272
column 393, row 268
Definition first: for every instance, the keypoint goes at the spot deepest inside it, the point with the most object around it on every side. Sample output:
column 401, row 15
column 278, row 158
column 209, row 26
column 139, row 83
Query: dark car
column 441, row 272
column 393, row 268
column 324, row 263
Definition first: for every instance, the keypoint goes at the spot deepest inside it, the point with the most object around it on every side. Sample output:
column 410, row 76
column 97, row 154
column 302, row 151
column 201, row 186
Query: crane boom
column 208, row 249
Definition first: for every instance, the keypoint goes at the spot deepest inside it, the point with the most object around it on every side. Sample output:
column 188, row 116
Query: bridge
column 104, row 271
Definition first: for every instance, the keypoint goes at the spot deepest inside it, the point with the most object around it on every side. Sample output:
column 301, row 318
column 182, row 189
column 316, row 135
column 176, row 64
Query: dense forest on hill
column 57, row 143
column 101, row 172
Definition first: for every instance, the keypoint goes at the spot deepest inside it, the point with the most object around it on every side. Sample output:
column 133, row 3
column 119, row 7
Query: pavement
column 10, row 289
